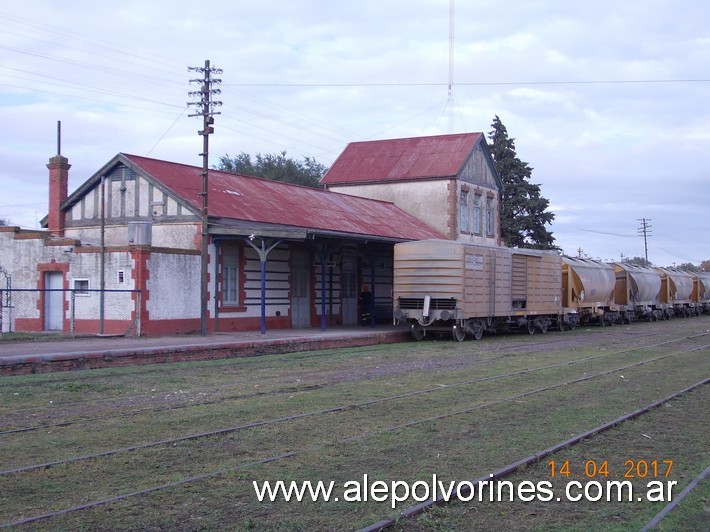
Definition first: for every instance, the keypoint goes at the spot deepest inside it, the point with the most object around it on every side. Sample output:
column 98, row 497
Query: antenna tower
column 645, row 231
column 205, row 109
column 450, row 101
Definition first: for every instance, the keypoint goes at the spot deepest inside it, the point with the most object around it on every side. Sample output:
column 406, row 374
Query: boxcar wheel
column 542, row 324
column 458, row 333
column 475, row 329
column 418, row 332
column 531, row 327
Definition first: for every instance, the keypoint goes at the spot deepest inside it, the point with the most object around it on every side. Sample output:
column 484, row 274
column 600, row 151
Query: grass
column 664, row 434
column 389, row 440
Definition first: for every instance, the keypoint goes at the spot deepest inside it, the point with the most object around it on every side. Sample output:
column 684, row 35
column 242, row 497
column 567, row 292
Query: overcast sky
column 608, row 101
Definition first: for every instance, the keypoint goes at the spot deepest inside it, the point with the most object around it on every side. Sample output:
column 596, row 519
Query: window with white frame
column 477, row 214
column 230, row 275
column 463, row 212
column 81, row 287
column 489, row 217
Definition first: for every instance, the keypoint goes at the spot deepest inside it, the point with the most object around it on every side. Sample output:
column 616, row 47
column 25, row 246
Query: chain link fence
column 70, row 312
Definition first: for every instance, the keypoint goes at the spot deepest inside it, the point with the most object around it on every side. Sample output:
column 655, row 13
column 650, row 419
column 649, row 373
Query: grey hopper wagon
column 588, row 287
column 636, row 292
column 676, row 292
column 701, row 291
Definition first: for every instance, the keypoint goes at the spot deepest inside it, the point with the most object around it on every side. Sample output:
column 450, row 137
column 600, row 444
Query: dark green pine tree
column 523, row 211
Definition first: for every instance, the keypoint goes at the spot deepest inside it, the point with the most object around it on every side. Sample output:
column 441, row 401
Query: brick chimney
column 58, row 190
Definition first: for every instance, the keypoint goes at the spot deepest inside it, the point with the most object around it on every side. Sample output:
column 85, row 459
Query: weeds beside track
column 356, row 426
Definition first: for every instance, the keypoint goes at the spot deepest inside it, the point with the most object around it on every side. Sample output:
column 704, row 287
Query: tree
column 705, row 266
column 276, row 167
column 637, row 261
column 4, row 222
column 688, row 267
column 523, row 211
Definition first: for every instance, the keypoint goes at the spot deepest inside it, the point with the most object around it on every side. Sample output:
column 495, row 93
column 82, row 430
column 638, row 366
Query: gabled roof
column 252, row 199
column 441, row 156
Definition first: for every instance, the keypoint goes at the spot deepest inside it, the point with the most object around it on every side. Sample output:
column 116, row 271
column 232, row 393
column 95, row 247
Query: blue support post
column 372, row 299
column 323, row 259
column 263, row 295
column 263, row 252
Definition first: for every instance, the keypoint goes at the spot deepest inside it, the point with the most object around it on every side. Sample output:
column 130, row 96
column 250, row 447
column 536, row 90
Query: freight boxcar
column 701, row 291
column 676, row 292
column 466, row 289
column 636, row 292
column 588, row 287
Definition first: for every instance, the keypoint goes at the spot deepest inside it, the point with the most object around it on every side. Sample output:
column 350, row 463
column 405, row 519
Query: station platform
column 63, row 354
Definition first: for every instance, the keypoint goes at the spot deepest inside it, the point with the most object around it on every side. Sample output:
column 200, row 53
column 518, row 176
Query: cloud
column 599, row 96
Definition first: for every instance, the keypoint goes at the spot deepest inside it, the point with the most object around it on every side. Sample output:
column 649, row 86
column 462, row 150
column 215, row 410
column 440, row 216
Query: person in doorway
column 365, row 302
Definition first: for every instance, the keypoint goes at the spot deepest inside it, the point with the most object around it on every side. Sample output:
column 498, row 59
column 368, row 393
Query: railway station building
column 279, row 255
column 447, row 181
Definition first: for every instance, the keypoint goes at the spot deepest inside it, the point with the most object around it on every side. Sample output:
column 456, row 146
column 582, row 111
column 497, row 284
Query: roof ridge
column 471, row 133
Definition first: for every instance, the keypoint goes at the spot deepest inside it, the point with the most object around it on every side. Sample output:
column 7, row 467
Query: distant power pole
column 645, row 231
column 204, row 108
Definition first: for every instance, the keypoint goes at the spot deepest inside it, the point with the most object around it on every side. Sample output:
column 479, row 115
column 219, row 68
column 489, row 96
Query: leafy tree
column 523, row 210
column 276, row 167
column 4, row 222
column 688, row 267
column 637, row 261
column 705, row 266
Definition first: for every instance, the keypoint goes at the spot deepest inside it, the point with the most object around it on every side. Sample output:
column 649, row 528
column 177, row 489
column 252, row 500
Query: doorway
column 349, row 290
column 300, row 289
column 53, row 301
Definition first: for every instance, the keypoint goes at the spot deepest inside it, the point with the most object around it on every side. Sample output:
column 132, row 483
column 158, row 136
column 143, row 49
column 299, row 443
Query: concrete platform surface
column 96, row 352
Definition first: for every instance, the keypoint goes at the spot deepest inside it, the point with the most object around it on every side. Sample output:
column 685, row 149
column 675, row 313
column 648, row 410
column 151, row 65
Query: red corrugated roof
column 254, row 199
column 398, row 159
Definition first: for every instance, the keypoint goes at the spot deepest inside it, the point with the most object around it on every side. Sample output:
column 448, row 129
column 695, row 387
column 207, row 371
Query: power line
column 468, row 84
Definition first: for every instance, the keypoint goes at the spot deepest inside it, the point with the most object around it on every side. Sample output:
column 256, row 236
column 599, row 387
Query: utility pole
column 645, row 231
column 204, row 108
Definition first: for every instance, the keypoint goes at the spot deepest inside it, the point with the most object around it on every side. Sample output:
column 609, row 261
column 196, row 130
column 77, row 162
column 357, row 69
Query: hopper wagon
column 636, row 292
column 588, row 286
column 676, row 292
column 701, row 291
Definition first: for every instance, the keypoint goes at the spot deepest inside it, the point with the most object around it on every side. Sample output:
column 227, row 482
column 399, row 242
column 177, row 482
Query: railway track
column 351, row 406
column 354, row 437
column 306, row 387
column 514, row 467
